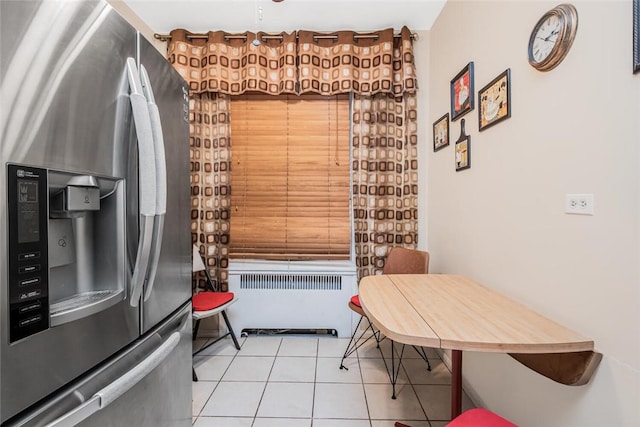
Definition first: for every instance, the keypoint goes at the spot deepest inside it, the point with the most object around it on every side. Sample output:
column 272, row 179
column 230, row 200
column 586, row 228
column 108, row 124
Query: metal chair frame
column 356, row 343
column 199, row 315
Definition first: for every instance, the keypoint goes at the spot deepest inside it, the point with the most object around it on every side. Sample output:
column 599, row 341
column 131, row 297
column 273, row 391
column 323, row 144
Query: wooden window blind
column 290, row 177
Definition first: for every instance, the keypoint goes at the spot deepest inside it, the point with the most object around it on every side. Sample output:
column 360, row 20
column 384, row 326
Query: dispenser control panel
column 27, row 251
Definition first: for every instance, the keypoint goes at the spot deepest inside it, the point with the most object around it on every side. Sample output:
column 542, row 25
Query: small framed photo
column 494, row 101
column 636, row 36
column 463, row 150
column 462, row 92
column 441, row 133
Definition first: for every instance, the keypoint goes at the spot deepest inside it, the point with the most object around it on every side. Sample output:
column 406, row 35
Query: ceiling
column 266, row 15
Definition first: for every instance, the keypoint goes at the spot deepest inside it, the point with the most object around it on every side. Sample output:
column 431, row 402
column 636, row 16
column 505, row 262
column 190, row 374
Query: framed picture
column 463, row 150
column 462, row 92
column 636, row 36
column 441, row 133
column 494, row 101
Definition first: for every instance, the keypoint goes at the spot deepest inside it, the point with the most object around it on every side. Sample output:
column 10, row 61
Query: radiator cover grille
column 294, row 282
column 310, row 300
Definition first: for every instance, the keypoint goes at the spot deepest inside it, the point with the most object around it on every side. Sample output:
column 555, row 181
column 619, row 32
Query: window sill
column 256, row 265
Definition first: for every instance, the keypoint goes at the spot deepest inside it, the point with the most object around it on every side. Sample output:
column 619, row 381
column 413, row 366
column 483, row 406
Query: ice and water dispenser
column 66, row 246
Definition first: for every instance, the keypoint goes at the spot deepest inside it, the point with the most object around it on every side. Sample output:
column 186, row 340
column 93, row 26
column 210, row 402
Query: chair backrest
column 198, row 265
column 406, row 261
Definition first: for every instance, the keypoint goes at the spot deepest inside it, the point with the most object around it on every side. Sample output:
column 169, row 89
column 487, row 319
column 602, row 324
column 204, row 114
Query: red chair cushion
column 209, row 300
column 356, row 300
column 480, row 417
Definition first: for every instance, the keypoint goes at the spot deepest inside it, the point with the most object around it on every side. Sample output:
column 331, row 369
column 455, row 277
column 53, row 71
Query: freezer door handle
column 147, row 180
column 161, row 179
column 113, row 391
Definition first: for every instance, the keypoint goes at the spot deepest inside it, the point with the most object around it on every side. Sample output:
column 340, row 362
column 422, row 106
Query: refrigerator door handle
column 110, row 393
column 147, row 180
column 161, row 179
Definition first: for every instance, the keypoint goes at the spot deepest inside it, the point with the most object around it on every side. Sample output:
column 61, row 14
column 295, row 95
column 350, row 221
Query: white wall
column 128, row 14
column 421, row 48
column 574, row 129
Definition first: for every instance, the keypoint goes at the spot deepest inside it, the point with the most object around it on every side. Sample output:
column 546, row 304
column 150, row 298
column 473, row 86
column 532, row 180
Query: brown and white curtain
column 385, row 178
column 215, row 67
column 233, row 64
column 377, row 68
column 380, row 71
column 210, row 160
column 345, row 61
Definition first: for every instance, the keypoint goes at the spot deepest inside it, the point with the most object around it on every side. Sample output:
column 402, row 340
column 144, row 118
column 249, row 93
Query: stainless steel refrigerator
column 95, row 251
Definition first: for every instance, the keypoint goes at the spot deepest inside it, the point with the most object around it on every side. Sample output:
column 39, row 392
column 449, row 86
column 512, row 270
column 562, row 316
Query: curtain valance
column 235, row 65
column 296, row 63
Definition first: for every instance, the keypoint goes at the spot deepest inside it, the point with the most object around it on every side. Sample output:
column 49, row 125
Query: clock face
column 546, row 38
column 552, row 37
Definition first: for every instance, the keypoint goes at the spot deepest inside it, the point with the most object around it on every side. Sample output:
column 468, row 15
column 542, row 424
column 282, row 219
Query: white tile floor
column 295, row 381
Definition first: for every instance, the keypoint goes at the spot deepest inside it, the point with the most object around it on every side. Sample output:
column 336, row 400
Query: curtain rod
column 167, row 37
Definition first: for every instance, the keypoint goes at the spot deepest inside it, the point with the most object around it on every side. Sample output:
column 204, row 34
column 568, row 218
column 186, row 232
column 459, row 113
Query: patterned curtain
column 210, row 158
column 214, row 67
column 343, row 62
column 380, row 70
column 385, row 178
column 233, row 65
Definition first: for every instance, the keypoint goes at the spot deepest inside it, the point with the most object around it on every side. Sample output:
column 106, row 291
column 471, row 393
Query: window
column 290, row 177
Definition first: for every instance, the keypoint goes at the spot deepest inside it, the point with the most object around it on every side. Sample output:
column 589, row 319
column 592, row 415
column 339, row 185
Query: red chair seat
column 356, row 300
column 479, row 417
column 204, row 301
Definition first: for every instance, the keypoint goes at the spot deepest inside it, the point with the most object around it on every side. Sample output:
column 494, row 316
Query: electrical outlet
column 579, row 204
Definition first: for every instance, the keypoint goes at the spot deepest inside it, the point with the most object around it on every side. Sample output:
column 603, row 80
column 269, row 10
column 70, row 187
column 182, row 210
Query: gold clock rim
column 568, row 16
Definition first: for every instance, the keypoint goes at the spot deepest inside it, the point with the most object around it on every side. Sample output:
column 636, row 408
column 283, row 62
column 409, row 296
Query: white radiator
column 303, row 298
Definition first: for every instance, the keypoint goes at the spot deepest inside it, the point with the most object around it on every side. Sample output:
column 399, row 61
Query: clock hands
column 553, row 33
column 548, row 38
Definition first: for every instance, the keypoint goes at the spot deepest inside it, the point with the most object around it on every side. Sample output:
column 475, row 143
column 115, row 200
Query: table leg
column 456, row 383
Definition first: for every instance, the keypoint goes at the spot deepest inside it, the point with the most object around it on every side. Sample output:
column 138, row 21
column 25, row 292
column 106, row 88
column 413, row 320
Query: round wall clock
column 552, row 37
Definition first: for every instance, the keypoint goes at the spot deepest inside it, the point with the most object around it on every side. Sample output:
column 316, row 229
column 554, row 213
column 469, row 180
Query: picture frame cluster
column 494, row 106
column 494, row 99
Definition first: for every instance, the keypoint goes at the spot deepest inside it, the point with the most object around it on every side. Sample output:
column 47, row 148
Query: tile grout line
column 424, row 411
column 364, row 391
column 217, row 382
column 315, row 382
column 264, row 390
